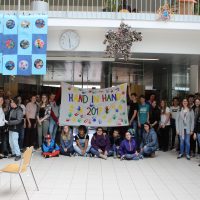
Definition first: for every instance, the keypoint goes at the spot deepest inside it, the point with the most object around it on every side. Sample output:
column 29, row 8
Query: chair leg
column 34, row 179
column 10, row 181
column 24, row 186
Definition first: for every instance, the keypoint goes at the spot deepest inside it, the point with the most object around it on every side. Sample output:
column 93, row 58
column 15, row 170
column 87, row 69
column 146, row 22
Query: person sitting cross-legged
column 66, row 142
column 100, row 144
column 149, row 141
column 128, row 148
column 82, row 147
column 50, row 148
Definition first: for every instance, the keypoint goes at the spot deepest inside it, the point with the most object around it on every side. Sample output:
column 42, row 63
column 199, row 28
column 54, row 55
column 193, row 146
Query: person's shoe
column 103, row 156
column 12, row 156
column 1, row 156
column 188, row 157
column 152, row 155
column 141, row 156
column 179, row 156
column 17, row 158
column 199, row 165
column 46, row 156
column 122, row 158
column 57, row 155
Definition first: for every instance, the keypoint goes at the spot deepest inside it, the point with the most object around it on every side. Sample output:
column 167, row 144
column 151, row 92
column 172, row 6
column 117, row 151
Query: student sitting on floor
column 128, row 148
column 82, row 147
column 50, row 148
column 66, row 142
column 100, row 144
column 149, row 141
column 115, row 140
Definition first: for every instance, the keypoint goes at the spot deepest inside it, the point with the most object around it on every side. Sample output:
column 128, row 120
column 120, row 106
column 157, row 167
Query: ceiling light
column 142, row 59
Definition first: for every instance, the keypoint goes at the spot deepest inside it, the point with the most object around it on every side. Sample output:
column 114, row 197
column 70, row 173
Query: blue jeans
column 147, row 151
column 13, row 141
column 53, row 128
column 134, row 126
column 114, row 150
column 78, row 150
column 185, row 144
column 95, row 152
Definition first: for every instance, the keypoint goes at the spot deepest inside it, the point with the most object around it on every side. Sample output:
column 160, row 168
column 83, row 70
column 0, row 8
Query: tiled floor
column 76, row 178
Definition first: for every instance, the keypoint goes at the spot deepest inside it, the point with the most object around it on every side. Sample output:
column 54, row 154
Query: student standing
column 143, row 116
column 2, row 127
column 185, row 128
column 15, row 122
column 164, row 125
column 31, row 115
column 174, row 110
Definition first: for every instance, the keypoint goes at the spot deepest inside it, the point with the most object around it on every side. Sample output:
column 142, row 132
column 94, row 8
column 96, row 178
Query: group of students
column 35, row 123
column 182, row 119
column 102, row 145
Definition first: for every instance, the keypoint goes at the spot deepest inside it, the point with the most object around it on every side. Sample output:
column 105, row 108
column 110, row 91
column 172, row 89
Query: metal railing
column 135, row 9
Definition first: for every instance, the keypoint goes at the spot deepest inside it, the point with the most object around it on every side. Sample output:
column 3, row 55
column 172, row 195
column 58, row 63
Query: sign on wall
column 93, row 107
column 23, row 44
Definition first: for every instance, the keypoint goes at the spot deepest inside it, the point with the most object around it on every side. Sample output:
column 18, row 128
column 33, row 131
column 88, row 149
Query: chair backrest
column 27, row 156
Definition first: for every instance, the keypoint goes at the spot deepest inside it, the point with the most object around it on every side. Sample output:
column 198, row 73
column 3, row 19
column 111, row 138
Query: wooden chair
column 21, row 168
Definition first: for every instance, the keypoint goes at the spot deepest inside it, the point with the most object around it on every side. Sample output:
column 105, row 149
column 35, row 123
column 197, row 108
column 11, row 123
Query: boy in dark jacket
column 50, row 148
column 115, row 140
column 15, row 122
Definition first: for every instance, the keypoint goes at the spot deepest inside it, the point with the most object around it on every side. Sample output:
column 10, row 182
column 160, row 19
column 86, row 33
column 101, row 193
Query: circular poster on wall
column 39, row 43
column 40, row 23
column 23, row 65
column 24, row 44
column 10, row 65
column 25, row 24
column 38, row 64
column 10, row 24
column 10, row 44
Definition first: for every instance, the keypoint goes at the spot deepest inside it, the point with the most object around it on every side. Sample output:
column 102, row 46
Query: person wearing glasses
column 100, row 144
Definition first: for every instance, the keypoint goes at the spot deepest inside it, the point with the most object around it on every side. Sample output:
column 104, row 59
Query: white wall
column 154, row 40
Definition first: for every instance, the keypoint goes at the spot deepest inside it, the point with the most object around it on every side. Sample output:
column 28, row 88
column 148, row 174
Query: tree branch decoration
column 119, row 42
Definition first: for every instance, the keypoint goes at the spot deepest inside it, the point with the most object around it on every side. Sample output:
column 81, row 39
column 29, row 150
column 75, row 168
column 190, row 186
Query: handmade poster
column 1, row 23
column 39, row 43
column 40, row 24
column 24, row 44
column 93, row 107
column 24, row 65
column 10, row 25
column 25, row 24
column 39, row 64
column 9, row 65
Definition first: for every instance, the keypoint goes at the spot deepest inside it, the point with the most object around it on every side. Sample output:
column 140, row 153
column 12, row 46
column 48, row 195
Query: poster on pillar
column 94, row 107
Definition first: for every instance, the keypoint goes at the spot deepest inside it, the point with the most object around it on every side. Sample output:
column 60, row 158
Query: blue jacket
column 127, row 147
column 66, row 143
column 53, row 146
column 149, row 139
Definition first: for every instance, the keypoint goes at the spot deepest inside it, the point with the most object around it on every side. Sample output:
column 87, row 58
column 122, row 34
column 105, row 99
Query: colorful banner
column 9, row 65
column 23, row 44
column 94, row 107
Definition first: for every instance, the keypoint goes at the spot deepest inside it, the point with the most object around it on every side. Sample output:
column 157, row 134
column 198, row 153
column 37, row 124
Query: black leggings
column 164, row 134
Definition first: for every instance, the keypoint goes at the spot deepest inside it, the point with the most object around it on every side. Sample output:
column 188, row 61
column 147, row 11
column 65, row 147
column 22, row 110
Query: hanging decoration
column 23, row 44
column 165, row 12
column 120, row 41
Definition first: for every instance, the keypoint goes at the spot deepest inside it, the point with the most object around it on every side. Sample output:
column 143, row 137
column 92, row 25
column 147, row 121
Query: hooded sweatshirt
column 100, row 142
column 127, row 147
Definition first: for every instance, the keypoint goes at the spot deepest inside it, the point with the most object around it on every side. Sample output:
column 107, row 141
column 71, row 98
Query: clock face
column 69, row 40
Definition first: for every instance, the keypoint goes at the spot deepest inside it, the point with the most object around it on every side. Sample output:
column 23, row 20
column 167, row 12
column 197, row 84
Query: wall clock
column 69, row 40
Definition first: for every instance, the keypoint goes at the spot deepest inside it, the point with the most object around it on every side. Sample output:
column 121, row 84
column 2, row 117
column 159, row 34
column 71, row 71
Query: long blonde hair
column 65, row 135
